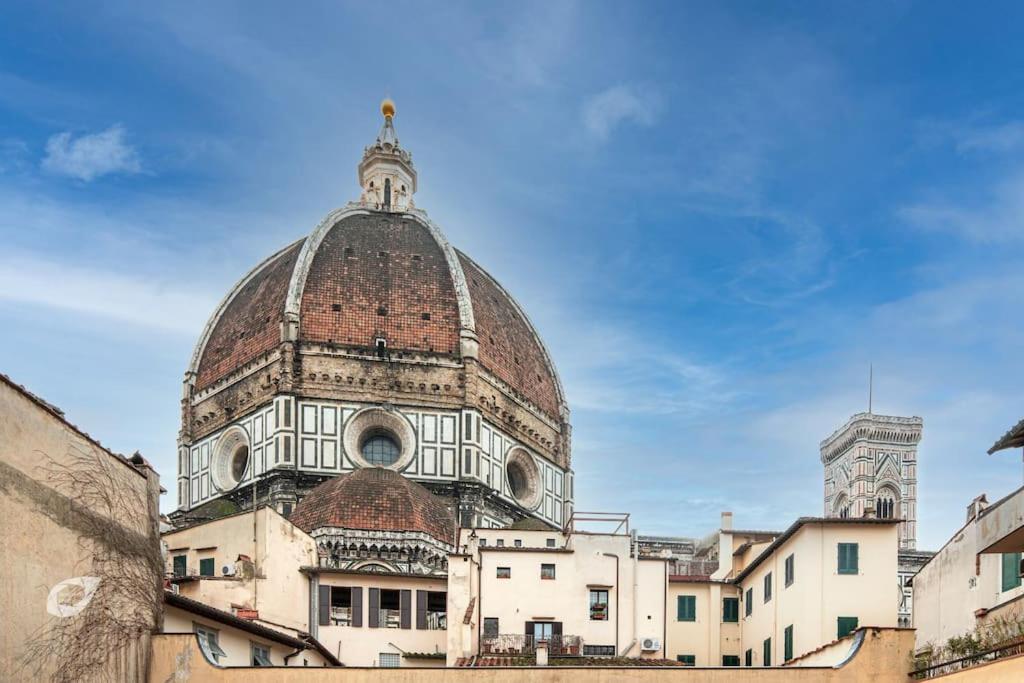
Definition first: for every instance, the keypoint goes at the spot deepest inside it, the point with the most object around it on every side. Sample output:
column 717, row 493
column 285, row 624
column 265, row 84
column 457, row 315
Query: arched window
column 885, row 503
column 842, row 507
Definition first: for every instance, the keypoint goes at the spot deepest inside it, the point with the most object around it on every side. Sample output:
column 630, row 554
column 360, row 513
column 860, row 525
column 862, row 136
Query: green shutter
column 848, row 558
column 688, row 660
column 788, row 644
column 748, row 657
column 207, row 567
column 1011, row 571
column 767, row 652
column 846, row 626
column 749, row 608
column 686, row 608
column 730, row 610
column 180, row 565
column 730, row 660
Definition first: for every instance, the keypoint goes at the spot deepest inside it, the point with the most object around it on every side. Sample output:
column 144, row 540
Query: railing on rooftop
column 520, row 644
column 617, row 521
column 1015, row 647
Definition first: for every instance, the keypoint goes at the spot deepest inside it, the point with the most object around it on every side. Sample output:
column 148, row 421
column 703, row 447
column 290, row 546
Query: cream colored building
column 582, row 593
column 228, row 640
column 703, row 622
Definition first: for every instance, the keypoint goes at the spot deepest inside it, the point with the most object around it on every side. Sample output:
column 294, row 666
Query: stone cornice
column 889, row 429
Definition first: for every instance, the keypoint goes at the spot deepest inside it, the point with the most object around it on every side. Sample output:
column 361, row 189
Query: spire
column 386, row 173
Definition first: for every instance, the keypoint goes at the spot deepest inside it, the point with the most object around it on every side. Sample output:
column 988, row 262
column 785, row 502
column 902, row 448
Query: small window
column 286, row 509
column 490, row 626
column 766, row 652
column 789, row 570
column 787, row 645
column 551, row 543
column 768, row 587
column 547, row 571
column 381, row 450
column 598, row 650
column 260, row 655
column 208, row 643
column 730, row 610
column 341, row 606
column 504, row 573
column 425, row 315
column 748, row 657
column 207, row 567
column 501, row 542
column 390, row 660
column 730, row 660
column 598, row 605
column 688, row 660
column 336, row 308
column 180, row 565
column 686, row 608
column 845, row 626
column 848, row 560
column 483, row 542
column 518, row 543
column 748, row 608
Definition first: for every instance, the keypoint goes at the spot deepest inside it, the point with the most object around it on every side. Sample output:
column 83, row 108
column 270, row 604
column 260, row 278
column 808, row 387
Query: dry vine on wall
column 108, row 638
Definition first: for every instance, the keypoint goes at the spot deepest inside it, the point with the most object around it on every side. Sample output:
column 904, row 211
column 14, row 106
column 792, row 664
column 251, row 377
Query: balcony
column 517, row 644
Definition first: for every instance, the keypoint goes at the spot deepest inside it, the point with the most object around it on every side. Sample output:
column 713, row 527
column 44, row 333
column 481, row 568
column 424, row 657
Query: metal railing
column 1015, row 647
column 521, row 644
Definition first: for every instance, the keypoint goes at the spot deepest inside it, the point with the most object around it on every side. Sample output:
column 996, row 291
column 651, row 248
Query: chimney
column 726, row 521
column 542, row 653
column 976, row 506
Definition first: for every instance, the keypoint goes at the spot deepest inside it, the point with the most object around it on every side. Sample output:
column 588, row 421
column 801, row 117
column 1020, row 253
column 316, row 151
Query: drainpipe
column 616, row 599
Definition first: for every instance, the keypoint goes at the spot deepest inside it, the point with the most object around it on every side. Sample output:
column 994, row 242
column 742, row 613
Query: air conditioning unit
column 650, row 644
column 228, row 570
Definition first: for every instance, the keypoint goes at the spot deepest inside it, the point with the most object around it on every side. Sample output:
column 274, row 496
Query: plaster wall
column 707, row 638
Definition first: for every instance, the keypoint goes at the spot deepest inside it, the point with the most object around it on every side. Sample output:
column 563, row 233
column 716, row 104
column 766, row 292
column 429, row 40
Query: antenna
column 871, row 386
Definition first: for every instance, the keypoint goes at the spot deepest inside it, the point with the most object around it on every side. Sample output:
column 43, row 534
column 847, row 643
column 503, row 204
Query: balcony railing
column 341, row 616
column 389, row 618
column 521, row 644
column 1013, row 648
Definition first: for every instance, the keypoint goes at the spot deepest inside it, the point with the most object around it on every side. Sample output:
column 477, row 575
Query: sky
column 718, row 215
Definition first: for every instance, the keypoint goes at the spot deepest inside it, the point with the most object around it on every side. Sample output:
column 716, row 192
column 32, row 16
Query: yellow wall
column 882, row 659
column 708, row 638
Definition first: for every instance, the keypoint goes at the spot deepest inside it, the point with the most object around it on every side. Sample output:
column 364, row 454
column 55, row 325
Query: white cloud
column 603, row 112
column 998, row 217
column 88, row 157
column 135, row 299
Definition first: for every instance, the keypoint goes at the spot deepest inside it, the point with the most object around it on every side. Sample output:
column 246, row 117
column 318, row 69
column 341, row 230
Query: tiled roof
column 375, row 499
column 1014, row 438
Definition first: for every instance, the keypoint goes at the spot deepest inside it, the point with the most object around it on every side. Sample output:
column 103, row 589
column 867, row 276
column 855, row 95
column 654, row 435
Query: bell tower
column 386, row 174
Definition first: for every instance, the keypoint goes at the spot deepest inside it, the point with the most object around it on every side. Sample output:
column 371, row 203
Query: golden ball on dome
column 387, row 107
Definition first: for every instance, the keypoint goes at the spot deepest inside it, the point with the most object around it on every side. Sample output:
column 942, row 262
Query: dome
column 364, row 279
column 375, row 499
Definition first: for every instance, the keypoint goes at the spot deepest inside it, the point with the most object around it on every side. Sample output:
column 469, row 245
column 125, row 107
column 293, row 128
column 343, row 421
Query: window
column 490, row 626
column 208, row 643
column 731, row 660
column 886, row 503
column 730, row 610
column 598, row 650
column 207, row 567
column 787, row 646
column 748, row 658
column 1011, row 571
column 180, row 565
column 483, row 542
column 286, row 509
column 547, row 571
column 686, row 608
column 749, row 606
column 789, row 570
column 845, row 626
column 380, row 450
column 341, row 606
column 766, row 652
column 260, row 655
column 848, row 558
column 598, row 605
column 389, row 614
column 688, row 660
column 504, row 573
column 551, row 543
column 767, row 586
column 543, row 630
column 389, row 660
column 432, row 610
column 518, row 543
column 501, row 543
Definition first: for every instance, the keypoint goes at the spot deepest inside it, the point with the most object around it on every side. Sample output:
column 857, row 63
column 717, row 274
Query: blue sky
column 717, row 214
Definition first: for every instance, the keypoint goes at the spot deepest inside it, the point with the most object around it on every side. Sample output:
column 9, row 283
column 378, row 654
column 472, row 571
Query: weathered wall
column 72, row 509
column 882, row 659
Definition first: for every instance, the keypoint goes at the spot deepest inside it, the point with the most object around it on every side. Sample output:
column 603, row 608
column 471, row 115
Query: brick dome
column 364, row 276
column 375, row 499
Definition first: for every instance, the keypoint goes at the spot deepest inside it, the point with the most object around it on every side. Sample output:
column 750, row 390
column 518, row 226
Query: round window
column 239, row 461
column 517, row 481
column 380, row 449
column 523, row 478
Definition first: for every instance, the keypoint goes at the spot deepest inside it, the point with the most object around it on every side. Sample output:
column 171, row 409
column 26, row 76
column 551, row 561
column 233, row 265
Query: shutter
column 357, row 606
column 405, row 608
column 374, row 620
column 854, row 566
column 529, row 628
column 421, row 610
column 556, row 629
column 324, row 613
